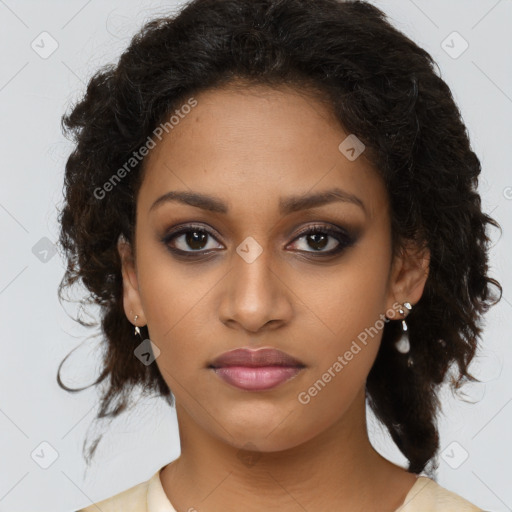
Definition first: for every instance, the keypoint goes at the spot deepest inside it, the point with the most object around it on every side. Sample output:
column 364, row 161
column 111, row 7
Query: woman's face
column 246, row 275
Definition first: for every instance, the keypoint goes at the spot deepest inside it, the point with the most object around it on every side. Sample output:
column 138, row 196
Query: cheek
column 348, row 298
column 332, row 391
column 170, row 291
column 176, row 298
column 346, row 351
column 349, row 316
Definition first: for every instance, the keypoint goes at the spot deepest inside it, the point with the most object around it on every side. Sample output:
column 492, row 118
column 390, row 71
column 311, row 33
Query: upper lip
column 255, row 358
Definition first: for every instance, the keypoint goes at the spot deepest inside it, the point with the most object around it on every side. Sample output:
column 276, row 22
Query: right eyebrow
column 203, row 201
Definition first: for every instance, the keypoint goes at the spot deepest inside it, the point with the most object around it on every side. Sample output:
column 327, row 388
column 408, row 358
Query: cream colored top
column 425, row 495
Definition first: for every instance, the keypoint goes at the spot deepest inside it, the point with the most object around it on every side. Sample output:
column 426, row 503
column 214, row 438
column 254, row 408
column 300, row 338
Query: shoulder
column 133, row 499
column 426, row 495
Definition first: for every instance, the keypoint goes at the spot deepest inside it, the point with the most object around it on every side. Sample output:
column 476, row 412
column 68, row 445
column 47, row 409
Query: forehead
column 249, row 145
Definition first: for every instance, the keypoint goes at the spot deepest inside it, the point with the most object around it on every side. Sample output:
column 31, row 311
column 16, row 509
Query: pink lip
column 255, row 358
column 256, row 370
column 256, row 378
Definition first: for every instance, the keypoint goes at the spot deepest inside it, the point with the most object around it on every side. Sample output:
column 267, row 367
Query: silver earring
column 137, row 330
column 403, row 344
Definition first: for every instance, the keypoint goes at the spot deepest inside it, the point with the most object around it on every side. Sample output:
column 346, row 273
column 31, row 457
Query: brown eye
column 189, row 239
column 318, row 241
column 195, row 239
column 319, row 238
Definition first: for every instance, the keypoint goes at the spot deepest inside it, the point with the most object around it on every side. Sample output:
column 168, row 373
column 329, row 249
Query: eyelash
column 344, row 240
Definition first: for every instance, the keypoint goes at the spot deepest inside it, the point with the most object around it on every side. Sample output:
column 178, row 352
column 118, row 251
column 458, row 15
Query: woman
column 274, row 203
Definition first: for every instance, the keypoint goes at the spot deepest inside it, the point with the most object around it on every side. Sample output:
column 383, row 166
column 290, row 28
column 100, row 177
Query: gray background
column 37, row 333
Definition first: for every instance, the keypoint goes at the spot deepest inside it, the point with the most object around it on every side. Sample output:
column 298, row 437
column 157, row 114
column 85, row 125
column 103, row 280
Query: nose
column 255, row 295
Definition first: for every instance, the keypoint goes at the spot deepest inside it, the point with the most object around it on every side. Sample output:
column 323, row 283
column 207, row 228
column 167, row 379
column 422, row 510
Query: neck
column 337, row 466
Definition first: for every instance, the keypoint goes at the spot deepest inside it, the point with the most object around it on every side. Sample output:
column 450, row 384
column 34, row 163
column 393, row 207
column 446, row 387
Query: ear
column 131, row 297
column 408, row 275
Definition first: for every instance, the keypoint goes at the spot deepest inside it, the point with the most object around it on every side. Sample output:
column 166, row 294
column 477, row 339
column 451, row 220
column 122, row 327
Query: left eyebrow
column 287, row 205
column 295, row 203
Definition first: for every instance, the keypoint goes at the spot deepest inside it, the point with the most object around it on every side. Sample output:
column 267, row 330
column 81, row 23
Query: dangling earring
column 137, row 330
column 403, row 344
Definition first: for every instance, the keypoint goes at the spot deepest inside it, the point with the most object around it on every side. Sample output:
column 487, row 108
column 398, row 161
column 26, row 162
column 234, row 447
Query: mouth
column 256, row 370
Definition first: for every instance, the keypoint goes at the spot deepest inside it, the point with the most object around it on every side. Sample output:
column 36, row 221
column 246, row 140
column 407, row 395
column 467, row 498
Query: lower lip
column 256, row 379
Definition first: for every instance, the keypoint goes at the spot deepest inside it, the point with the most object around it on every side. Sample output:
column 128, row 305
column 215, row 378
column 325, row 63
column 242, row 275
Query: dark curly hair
column 381, row 87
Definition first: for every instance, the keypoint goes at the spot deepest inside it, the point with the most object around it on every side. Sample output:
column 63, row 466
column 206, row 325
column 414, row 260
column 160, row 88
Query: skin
column 249, row 148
